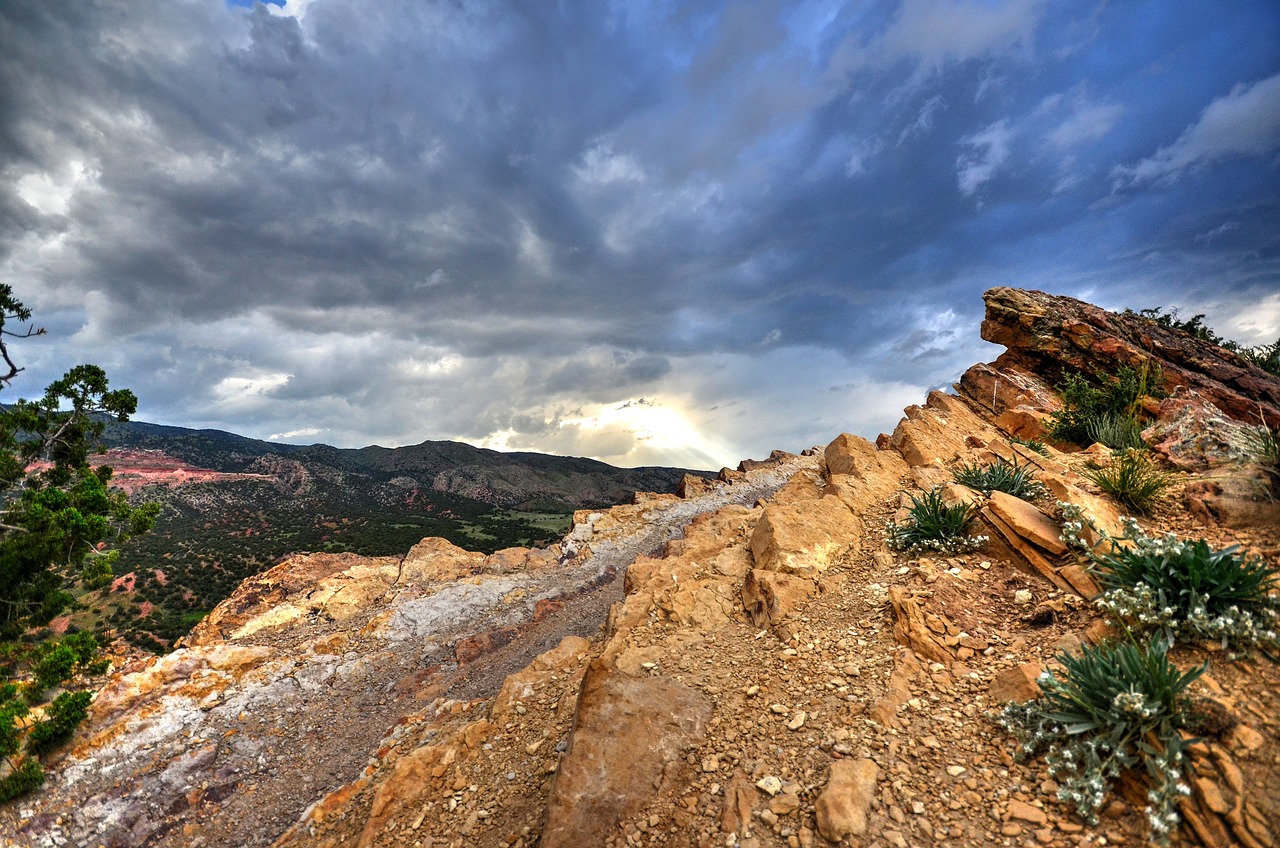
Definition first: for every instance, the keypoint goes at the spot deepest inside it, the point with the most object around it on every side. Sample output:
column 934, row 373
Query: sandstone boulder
column 629, row 739
column 804, row 538
column 1048, row 333
column 939, row 430
column 435, row 560
column 843, row 805
column 1028, row 522
column 770, row 596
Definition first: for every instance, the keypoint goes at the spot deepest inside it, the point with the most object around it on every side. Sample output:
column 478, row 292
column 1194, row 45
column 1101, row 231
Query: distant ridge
column 505, row 479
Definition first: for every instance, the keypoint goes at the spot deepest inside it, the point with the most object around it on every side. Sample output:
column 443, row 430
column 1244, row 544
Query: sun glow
column 638, row 431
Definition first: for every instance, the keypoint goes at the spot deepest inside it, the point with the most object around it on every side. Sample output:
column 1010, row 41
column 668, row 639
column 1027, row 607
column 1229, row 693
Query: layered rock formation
column 765, row 672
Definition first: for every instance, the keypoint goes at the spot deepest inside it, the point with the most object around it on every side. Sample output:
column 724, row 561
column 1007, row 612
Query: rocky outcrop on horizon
column 743, row 663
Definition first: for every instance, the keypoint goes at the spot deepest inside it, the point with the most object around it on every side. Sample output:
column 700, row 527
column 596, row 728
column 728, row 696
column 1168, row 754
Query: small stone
column 769, row 817
column 777, row 709
column 785, row 804
column 797, row 721
column 1025, row 812
column 843, row 805
column 711, row 763
column 956, row 771
column 895, row 838
column 770, row 785
column 1022, row 596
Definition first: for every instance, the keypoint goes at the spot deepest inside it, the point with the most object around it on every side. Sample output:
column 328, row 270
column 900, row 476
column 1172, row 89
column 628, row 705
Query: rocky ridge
column 768, row 673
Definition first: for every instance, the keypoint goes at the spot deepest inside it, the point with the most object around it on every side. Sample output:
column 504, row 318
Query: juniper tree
column 56, row 510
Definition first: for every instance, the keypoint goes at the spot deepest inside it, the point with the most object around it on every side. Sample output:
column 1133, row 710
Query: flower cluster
column 901, row 538
column 1109, row 709
column 1178, row 587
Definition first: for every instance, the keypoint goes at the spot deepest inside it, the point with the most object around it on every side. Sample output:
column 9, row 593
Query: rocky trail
column 745, row 664
column 283, row 692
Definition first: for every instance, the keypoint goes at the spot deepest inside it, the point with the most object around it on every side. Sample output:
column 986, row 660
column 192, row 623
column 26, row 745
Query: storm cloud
column 647, row 232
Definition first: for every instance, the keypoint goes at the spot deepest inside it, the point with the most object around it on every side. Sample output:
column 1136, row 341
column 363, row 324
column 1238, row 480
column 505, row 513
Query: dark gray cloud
column 509, row 221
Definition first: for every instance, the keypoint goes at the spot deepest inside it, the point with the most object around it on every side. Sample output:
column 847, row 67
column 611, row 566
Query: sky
column 676, row 233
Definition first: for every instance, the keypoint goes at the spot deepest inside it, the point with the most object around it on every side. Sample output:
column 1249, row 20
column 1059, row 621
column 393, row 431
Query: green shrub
column 62, row 717
column 934, row 525
column 52, row 668
column 1000, row 476
column 24, row 778
column 1133, row 479
column 1118, row 431
column 1113, row 706
column 1085, row 404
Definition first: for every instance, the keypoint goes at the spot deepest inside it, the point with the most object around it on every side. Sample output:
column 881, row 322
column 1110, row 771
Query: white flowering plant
column 1112, row 708
column 934, row 525
column 1176, row 588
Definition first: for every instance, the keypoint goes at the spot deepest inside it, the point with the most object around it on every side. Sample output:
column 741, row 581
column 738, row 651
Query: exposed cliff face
column 1047, row 334
column 766, row 673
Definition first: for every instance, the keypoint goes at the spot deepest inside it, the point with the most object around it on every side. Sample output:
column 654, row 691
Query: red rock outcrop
column 1049, row 334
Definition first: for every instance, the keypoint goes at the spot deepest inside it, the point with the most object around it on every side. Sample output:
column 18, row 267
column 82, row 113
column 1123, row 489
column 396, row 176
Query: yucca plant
column 1000, row 476
column 1133, row 479
column 934, row 525
column 1111, row 707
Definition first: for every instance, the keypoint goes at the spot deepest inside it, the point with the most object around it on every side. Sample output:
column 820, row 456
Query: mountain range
column 234, row 506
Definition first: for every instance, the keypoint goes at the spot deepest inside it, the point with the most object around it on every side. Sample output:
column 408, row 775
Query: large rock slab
column 804, row 538
column 1028, row 521
column 629, row 740
column 940, row 430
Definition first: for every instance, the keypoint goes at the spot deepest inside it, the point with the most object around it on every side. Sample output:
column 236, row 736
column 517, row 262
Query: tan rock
column 1022, row 811
column 629, row 740
column 911, row 629
column 434, row 560
column 1018, row 683
column 735, row 815
column 805, row 538
column 769, row 597
column 1028, row 522
column 282, row 594
column 938, row 430
column 692, row 485
column 843, row 805
column 874, row 472
column 1024, row 422
column 524, row 684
